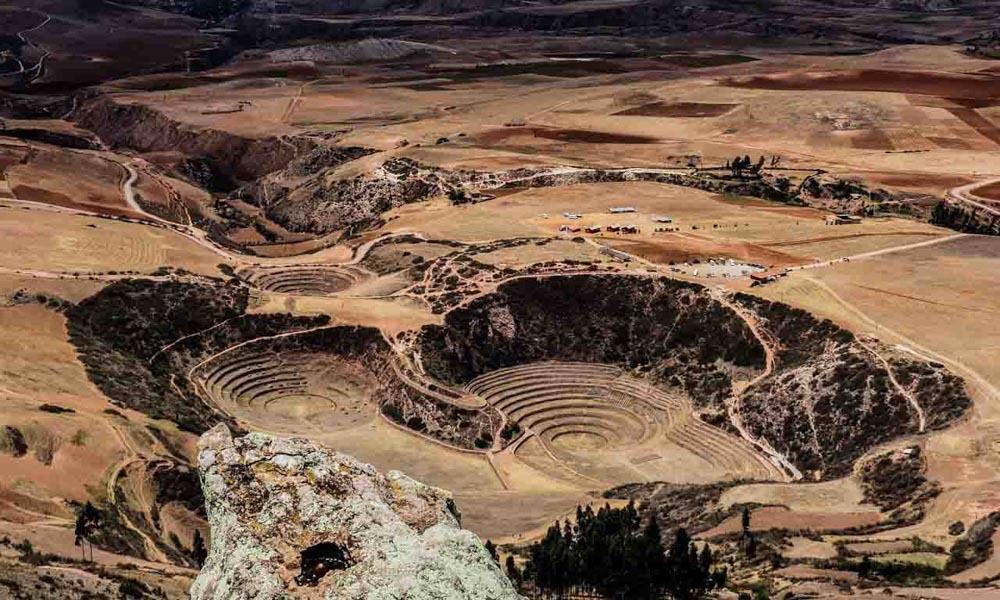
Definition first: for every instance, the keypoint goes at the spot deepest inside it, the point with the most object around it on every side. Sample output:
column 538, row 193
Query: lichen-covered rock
column 290, row 518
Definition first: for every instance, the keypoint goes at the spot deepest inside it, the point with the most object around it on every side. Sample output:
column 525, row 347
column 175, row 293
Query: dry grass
column 37, row 239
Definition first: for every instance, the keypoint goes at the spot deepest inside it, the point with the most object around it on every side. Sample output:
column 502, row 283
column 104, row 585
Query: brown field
column 71, row 179
column 990, row 192
column 576, row 136
column 61, row 243
column 767, row 518
column 873, row 139
column 931, row 83
column 678, row 109
column 981, row 124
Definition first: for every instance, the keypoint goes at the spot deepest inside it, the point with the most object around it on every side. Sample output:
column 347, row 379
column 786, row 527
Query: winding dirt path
column 21, row 35
column 735, row 402
column 921, row 417
column 911, row 345
column 874, row 253
column 965, row 194
column 132, row 456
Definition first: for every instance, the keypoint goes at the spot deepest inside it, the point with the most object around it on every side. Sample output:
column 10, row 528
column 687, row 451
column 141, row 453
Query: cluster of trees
column 88, row 520
column 612, row 553
column 741, row 164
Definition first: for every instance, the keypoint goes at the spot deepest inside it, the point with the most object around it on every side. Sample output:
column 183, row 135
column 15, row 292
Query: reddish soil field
column 974, row 102
column 918, row 180
column 946, row 85
column 949, row 143
column 843, row 237
column 981, row 124
column 873, row 139
column 774, row 517
column 806, row 572
column 990, row 192
column 33, row 194
column 687, row 247
column 678, row 109
column 577, row 136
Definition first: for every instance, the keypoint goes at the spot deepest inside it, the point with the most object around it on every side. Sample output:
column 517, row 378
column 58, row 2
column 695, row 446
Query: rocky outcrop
column 322, row 206
column 966, row 218
column 144, row 129
column 291, row 518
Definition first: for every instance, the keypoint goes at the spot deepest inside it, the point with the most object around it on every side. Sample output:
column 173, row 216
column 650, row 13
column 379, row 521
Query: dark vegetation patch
column 55, row 409
column 616, row 553
column 939, row 392
column 889, row 572
column 965, row 218
column 894, row 481
column 555, row 68
column 976, row 546
column 179, row 483
column 55, row 138
column 691, row 507
column 12, row 441
column 582, row 136
column 104, row 527
column 121, row 330
column 702, row 61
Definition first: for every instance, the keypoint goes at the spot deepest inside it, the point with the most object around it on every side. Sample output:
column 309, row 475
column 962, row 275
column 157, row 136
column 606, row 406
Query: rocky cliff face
column 965, row 218
column 290, row 518
column 144, row 129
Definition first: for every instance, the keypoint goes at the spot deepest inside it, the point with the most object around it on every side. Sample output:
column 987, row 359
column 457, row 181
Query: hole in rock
column 320, row 559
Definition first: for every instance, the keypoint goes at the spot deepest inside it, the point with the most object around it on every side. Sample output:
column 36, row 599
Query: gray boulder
column 290, row 518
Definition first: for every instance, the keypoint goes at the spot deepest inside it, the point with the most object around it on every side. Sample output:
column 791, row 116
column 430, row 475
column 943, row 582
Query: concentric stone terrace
column 290, row 390
column 595, row 420
column 310, row 280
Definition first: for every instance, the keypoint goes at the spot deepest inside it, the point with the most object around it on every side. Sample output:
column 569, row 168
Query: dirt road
column 965, row 194
column 874, row 253
column 735, row 402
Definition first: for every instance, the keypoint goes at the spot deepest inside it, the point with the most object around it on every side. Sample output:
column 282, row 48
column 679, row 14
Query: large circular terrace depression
column 598, row 422
column 290, row 390
column 305, row 280
column 632, row 378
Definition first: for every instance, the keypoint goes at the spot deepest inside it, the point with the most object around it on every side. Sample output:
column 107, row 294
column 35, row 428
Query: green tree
column 88, row 519
column 513, row 573
column 865, row 568
column 705, row 563
column 610, row 552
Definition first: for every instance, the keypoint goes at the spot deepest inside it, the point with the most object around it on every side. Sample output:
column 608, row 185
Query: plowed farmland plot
column 595, row 422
